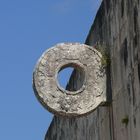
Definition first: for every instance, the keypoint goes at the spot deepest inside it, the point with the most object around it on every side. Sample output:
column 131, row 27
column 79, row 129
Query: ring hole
column 64, row 76
column 71, row 78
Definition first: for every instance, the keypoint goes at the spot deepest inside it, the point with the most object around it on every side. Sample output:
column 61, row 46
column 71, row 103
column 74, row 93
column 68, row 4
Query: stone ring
column 87, row 87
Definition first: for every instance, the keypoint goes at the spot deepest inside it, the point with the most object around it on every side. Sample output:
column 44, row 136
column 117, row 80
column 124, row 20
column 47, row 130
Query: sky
column 27, row 29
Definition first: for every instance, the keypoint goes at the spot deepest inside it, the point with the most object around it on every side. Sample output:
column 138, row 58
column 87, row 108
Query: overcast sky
column 27, row 28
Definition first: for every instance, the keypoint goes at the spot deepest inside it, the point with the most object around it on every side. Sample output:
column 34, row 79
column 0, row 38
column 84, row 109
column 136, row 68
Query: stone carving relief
column 59, row 101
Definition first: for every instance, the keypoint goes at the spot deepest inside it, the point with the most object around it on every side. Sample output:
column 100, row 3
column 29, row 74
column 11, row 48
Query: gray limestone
column 117, row 25
column 88, row 62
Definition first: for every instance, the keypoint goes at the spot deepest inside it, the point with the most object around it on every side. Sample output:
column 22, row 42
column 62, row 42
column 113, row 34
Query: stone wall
column 117, row 25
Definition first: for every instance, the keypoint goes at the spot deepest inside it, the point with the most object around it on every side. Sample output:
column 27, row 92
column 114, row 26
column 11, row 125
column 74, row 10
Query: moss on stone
column 105, row 61
column 125, row 120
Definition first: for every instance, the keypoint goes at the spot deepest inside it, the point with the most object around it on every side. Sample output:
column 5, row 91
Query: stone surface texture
column 87, row 62
column 117, row 25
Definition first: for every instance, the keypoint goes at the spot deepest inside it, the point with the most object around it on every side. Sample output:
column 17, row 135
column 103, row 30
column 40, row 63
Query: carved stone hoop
column 70, row 103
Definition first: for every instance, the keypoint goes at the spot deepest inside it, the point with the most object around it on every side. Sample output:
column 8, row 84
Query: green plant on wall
column 105, row 61
column 125, row 120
